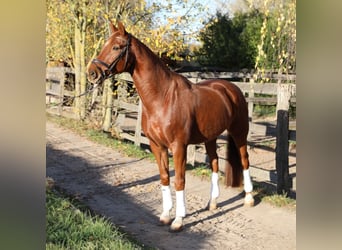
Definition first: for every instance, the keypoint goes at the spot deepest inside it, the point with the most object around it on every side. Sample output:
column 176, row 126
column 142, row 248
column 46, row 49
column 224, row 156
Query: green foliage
column 277, row 46
column 71, row 226
column 262, row 35
column 230, row 43
column 249, row 23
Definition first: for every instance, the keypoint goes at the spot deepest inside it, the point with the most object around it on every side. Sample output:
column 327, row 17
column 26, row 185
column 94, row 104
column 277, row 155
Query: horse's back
column 223, row 86
column 223, row 106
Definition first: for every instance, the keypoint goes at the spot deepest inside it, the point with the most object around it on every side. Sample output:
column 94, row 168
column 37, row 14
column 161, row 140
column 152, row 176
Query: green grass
column 270, row 196
column 201, row 170
column 264, row 110
column 69, row 225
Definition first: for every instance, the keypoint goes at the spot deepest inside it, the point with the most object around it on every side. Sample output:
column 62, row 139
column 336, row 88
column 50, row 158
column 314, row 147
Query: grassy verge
column 202, row 171
column 69, row 225
column 86, row 129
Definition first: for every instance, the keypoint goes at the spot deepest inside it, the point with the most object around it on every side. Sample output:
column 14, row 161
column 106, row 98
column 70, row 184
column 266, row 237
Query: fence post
column 107, row 119
column 190, row 157
column 282, row 142
column 137, row 139
column 250, row 104
column 61, row 90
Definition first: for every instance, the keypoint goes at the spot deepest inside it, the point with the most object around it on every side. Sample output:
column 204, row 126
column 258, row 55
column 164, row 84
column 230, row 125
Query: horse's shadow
column 222, row 210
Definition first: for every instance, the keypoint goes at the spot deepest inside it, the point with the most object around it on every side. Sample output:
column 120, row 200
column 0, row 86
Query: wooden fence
column 281, row 94
column 55, row 86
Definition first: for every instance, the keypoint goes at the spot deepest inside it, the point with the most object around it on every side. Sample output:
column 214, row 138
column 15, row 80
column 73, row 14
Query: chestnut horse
column 176, row 113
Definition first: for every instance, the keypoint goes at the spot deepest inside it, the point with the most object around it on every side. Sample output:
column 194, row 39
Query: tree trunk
column 83, row 77
column 77, row 64
column 108, row 105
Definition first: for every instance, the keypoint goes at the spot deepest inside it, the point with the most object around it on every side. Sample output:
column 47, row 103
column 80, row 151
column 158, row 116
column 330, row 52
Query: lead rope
column 74, row 97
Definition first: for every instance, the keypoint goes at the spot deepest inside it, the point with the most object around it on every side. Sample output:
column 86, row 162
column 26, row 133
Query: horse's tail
column 234, row 165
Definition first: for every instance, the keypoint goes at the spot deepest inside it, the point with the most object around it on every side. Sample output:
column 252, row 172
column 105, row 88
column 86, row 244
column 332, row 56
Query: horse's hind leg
column 248, row 186
column 241, row 144
column 213, row 158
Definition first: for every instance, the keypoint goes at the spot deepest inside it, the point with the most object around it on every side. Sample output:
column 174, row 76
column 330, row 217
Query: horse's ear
column 121, row 28
column 113, row 29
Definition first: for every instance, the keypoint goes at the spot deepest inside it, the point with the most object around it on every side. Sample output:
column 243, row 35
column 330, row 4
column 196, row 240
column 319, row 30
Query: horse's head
column 113, row 57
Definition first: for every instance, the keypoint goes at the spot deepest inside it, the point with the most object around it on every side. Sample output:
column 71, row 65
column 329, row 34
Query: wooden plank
column 259, row 88
column 125, row 105
column 242, row 75
column 143, row 139
column 69, row 93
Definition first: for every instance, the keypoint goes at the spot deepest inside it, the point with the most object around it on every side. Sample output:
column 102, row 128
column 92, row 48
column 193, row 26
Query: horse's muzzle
column 94, row 75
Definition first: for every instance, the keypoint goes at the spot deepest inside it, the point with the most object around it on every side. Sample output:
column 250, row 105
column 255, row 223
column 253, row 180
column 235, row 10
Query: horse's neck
column 151, row 77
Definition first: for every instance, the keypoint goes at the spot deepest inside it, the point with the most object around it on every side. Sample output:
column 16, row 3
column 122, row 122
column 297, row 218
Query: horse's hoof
column 249, row 200
column 212, row 205
column 164, row 219
column 177, row 225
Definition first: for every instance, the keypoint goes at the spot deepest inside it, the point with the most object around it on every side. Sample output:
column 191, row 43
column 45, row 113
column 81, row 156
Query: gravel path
column 126, row 190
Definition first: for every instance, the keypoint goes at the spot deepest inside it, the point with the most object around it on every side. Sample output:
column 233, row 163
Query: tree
column 75, row 29
column 67, row 25
column 277, row 46
column 249, row 23
column 266, row 41
column 230, row 42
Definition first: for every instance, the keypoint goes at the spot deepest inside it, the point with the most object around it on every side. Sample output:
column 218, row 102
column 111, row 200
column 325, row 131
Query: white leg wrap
column 215, row 191
column 167, row 199
column 180, row 204
column 248, row 186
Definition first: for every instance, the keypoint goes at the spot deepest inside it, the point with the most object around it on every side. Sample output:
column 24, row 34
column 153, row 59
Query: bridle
column 109, row 72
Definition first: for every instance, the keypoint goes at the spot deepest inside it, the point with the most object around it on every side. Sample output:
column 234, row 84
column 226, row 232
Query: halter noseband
column 110, row 67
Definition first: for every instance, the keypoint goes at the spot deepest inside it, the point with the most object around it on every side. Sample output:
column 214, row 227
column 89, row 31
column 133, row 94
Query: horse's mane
column 153, row 56
column 158, row 62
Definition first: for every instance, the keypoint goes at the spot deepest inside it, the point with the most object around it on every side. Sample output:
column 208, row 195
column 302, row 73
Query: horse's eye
column 116, row 47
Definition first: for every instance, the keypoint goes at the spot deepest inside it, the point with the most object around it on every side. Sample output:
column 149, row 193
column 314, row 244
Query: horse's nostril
column 92, row 74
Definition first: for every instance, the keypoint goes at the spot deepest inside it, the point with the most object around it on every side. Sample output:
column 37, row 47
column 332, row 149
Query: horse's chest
column 161, row 128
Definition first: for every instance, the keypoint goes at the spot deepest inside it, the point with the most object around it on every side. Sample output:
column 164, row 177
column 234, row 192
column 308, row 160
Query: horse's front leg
column 162, row 158
column 179, row 157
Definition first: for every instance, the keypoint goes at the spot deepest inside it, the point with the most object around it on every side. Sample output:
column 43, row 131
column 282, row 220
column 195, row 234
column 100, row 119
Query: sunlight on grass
column 271, row 197
column 71, row 226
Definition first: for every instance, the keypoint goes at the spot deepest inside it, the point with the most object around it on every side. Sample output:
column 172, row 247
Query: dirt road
column 126, row 190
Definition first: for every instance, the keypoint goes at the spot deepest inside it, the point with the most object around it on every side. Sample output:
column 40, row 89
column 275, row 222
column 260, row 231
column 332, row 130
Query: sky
column 180, row 11
column 194, row 27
